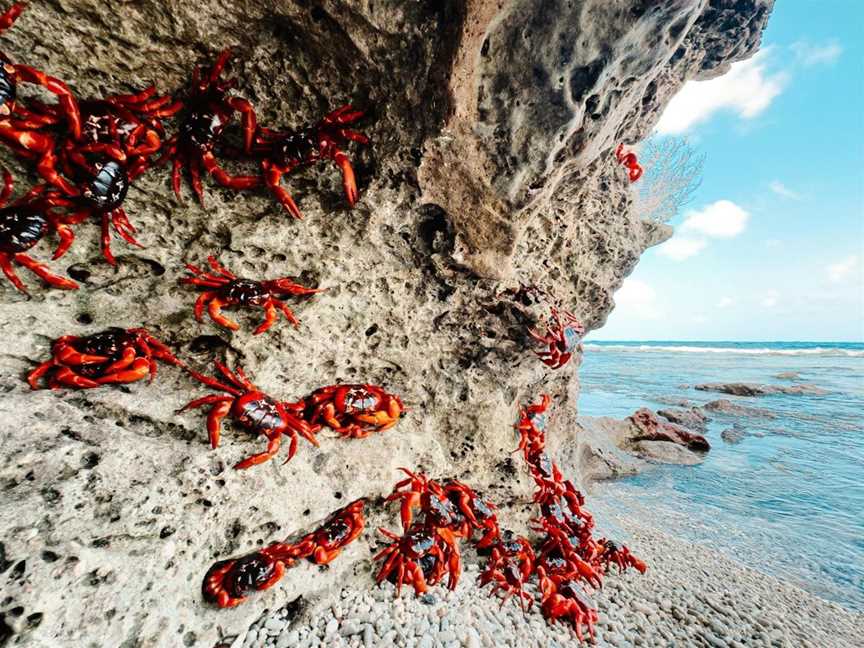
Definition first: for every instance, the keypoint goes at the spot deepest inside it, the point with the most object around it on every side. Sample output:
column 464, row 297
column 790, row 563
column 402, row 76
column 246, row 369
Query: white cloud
column 699, row 319
column 771, row 299
column 838, row 271
column 747, row 89
column 679, row 249
column 773, row 243
column 725, row 302
column 721, row 219
column 809, row 54
column 637, row 299
column 782, row 190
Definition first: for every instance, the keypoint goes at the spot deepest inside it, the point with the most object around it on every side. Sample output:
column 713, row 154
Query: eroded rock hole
column 204, row 343
column 78, row 272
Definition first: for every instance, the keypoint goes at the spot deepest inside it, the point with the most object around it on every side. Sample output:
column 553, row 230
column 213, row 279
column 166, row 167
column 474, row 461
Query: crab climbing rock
column 562, row 338
column 282, row 152
column 630, row 162
column 352, row 410
column 23, row 224
column 112, row 356
column 228, row 582
column 226, row 289
column 251, row 408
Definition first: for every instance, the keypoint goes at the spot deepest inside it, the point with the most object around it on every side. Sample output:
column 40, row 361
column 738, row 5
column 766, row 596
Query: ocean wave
column 813, row 351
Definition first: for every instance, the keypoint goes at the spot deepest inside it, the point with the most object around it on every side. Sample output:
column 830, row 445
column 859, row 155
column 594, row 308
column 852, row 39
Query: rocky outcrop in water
column 691, row 418
column 754, row 389
column 728, row 408
column 492, row 127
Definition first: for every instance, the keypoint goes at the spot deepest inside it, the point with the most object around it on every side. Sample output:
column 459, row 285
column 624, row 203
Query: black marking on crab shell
column 248, row 573
column 107, row 190
column 21, row 228
column 245, row 292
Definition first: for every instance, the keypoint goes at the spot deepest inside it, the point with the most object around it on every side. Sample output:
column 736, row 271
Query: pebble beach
column 690, row 596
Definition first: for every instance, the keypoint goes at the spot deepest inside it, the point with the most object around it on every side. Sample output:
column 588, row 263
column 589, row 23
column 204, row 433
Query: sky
column 772, row 245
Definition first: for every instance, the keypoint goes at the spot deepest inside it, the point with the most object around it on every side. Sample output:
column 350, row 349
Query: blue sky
column 772, row 245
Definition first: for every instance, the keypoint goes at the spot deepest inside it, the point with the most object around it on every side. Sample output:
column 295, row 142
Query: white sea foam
column 813, row 351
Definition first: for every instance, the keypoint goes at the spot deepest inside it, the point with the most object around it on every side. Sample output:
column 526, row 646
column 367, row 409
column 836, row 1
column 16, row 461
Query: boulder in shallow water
column 788, row 375
column 665, row 452
column 727, row 407
column 650, row 428
column 735, row 434
column 691, row 418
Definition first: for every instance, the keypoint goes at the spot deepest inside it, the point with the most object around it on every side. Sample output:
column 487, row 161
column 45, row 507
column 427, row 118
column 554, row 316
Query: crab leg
column 57, row 87
column 208, row 160
column 9, row 271
column 249, row 122
column 219, row 268
column 67, row 237
column 201, row 302
column 65, row 376
column 214, row 420
column 195, row 172
column 272, row 178
column 287, row 312
column 175, row 177
column 272, row 448
column 269, row 317
column 349, row 184
column 34, row 376
column 42, row 272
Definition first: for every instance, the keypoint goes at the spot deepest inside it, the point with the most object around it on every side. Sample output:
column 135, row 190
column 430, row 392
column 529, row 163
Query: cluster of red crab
column 568, row 557
column 88, row 152
column 564, row 559
column 117, row 355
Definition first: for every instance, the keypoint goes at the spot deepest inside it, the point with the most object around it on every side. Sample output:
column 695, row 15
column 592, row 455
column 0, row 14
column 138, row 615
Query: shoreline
column 691, row 596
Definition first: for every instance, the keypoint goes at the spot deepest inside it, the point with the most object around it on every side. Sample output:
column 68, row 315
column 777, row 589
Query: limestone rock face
column 492, row 127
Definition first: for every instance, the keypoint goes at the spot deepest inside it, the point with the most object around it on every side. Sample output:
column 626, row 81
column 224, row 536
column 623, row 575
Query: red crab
column 120, row 134
column 510, row 567
column 225, row 289
column 558, row 546
column 208, row 110
column 227, row 582
column 563, row 334
column 352, row 410
column 614, row 552
column 532, row 427
column 629, row 160
column 252, row 409
column 339, row 530
column 421, row 557
column 563, row 599
column 418, row 491
column 18, row 125
column 112, row 356
column 478, row 513
column 284, row 151
column 22, row 225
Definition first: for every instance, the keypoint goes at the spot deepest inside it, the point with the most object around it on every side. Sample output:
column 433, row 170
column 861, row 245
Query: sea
column 788, row 498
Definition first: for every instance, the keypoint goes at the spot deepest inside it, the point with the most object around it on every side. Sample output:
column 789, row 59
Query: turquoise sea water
column 789, row 498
